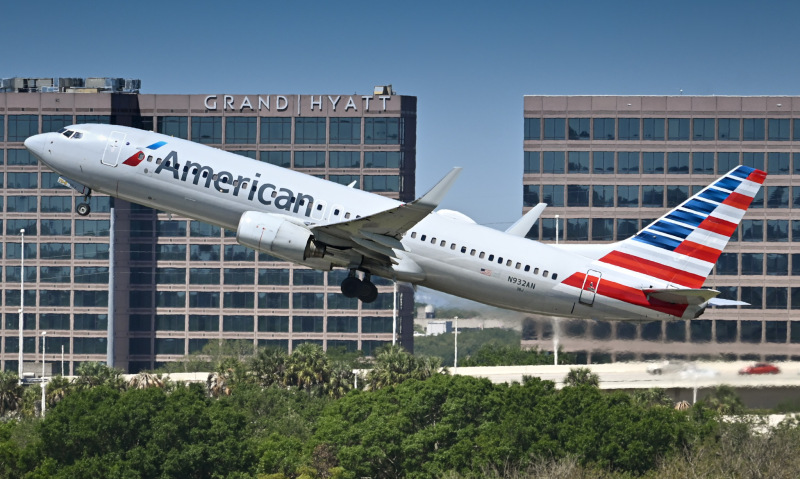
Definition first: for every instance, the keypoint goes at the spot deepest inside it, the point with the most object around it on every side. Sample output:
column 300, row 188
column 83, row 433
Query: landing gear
column 83, row 209
column 352, row 287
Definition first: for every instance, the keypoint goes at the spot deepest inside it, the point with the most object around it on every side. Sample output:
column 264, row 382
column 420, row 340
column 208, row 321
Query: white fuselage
column 456, row 256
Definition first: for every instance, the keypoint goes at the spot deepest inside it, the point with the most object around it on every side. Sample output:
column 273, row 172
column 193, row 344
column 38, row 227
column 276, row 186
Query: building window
column 93, row 299
column 728, row 129
column 340, row 301
column 204, row 252
column 240, row 130
column 778, row 163
column 577, row 229
column 203, row 275
column 777, row 298
column 554, row 128
column 203, row 322
column 239, row 276
column 553, row 162
column 603, row 162
column 309, row 159
column 752, row 230
column 778, row 129
column 652, row 196
column 532, row 162
column 777, row 264
column 91, row 274
column 207, row 129
column 379, row 183
column 169, row 252
column 653, row 129
column 203, row 299
column 578, row 162
column 308, row 277
column 533, row 129
column 307, row 324
column 169, row 346
column 628, row 162
column 703, row 129
column 604, row 129
column 308, row 300
column 22, row 180
column 628, row 128
column 276, row 131
column 20, row 127
column 553, row 195
column 703, row 163
column 603, row 196
column 678, row 162
column 728, row 264
column 273, row 300
column 345, row 131
column 579, row 128
column 177, row 126
column 349, row 159
column 23, row 204
column 753, row 129
column 677, row 194
column 577, row 195
column 51, row 123
column 273, row 324
column 199, row 229
column 530, row 195
column 238, row 323
column 383, row 131
column 94, row 322
column 91, row 345
column 753, row 264
column 58, row 251
column 602, row 229
column 627, row 196
column 170, row 322
column 169, row 275
column 653, row 162
column 777, row 197
column 727, row 161
column 275, row 276
column 700, row 330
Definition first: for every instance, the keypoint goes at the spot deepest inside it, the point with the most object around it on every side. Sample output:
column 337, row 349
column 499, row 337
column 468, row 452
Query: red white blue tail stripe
column 682, row 246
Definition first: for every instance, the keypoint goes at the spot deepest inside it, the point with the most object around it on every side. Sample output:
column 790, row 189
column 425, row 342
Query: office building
column 609, row 165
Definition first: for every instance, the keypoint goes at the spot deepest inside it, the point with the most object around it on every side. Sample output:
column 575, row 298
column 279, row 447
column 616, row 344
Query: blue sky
column 469, row 63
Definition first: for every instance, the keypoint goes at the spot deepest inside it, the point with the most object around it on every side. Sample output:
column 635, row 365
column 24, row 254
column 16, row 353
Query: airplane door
column 589, row 289
column 113, row 147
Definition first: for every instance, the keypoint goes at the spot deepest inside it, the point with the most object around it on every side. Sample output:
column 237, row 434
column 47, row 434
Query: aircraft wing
column 378, row 234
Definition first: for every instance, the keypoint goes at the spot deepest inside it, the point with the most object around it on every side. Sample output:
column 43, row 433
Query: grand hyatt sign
column 282, row 102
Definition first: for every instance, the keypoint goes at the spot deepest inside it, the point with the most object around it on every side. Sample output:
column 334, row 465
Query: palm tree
column 10, row 392
column 268, row 366
column 581, row 377
column 652, row 397
column 307, row 367
column 145, row 380
column 724, row 400
column 393, row 365
column 98, row 374
column 217, row 385
column 341, row 379
column 57, row 389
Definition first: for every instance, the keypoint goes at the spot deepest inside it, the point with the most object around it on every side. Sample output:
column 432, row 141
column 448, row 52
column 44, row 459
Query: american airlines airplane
column 656, row 274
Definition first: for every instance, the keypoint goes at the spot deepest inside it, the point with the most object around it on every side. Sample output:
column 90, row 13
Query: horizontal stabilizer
column 524, row 224
column 726, row 302
column 682, row 296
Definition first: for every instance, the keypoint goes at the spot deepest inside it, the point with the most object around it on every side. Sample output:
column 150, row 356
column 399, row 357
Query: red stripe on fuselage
column 627, row 294
column 654, row 269
column 718, row 226
column 134, row 160
column 696, row 250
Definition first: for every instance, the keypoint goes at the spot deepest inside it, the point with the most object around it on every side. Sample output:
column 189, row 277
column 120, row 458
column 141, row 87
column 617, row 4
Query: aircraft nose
column 36, row 144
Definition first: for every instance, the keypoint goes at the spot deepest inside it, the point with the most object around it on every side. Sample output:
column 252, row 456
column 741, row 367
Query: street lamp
column 44, row 383
column 21, row 295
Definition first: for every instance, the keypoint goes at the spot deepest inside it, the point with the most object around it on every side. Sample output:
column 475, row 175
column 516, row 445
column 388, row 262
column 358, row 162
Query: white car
column 693, row 372
column 666, row 367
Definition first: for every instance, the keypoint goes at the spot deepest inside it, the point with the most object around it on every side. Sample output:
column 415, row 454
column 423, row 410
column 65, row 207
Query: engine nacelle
column 277, row 235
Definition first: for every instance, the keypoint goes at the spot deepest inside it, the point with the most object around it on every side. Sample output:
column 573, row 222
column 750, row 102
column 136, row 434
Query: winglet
column 436, row 194
column 524, row 224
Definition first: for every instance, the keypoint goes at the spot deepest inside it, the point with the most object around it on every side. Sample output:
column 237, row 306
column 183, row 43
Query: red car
column 760, row 368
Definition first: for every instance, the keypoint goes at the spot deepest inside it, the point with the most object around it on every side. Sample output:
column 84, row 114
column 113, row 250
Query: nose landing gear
column 83, row 209
column 352, row 287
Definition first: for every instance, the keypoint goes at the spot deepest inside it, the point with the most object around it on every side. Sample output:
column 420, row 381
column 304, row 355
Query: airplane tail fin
column 682, row 246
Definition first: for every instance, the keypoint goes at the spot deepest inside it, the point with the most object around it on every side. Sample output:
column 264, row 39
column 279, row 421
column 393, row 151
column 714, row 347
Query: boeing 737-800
column 656, row 274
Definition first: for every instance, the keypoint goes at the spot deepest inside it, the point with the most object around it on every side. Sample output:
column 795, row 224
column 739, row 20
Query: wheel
column 368, row 292
column 351, row 286
column 83, row 209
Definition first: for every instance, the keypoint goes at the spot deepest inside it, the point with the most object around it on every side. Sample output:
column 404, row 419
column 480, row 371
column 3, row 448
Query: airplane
column 656, row 274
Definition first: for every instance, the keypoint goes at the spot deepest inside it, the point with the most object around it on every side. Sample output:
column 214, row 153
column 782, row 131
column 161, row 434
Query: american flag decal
column 486, row 272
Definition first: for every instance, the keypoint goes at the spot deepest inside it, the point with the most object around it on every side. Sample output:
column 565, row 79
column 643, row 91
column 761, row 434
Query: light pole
column 455, row 355
column 44, row 383
column 21, row 295
column 556, row 229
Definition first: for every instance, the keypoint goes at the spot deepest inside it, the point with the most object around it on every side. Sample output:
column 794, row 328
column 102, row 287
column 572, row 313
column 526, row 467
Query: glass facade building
column 608, row 165
column 139, row 287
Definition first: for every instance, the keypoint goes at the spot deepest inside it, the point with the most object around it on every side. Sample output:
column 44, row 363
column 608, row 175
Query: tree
column 581, row 377
column 268, row 366
column 57, row 389
column 307, row 368
column 10, row 392
column 724, row 400
column 93, row 374
column 393, row 365
column 652, row 397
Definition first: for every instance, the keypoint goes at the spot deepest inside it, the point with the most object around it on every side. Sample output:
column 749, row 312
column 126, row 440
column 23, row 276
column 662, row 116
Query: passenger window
column 336, row 212
column 482, row 255
column 472, row 252
column 555, row 275
column 518, row 265
column 452, row 246
column 346, row 215
column 545, row 273
column 491, row 257
column 150, row 158
column 499, row 260
column 536, row 271
column 422, row 238
column 508, row 263
column 442, row 243
column 527, row 268
column 413, row 234
column 463, row 249
column 433, row 240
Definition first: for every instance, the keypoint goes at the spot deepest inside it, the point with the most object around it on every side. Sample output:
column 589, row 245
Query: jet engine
column 279, row 236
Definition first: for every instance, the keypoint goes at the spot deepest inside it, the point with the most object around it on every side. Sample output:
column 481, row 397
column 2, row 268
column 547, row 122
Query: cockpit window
column 75, row 135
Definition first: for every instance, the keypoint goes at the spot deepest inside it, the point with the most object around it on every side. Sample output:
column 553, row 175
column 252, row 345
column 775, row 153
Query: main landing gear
column 352, row 287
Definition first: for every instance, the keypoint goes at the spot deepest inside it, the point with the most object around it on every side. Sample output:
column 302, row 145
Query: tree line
column 310, row 414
